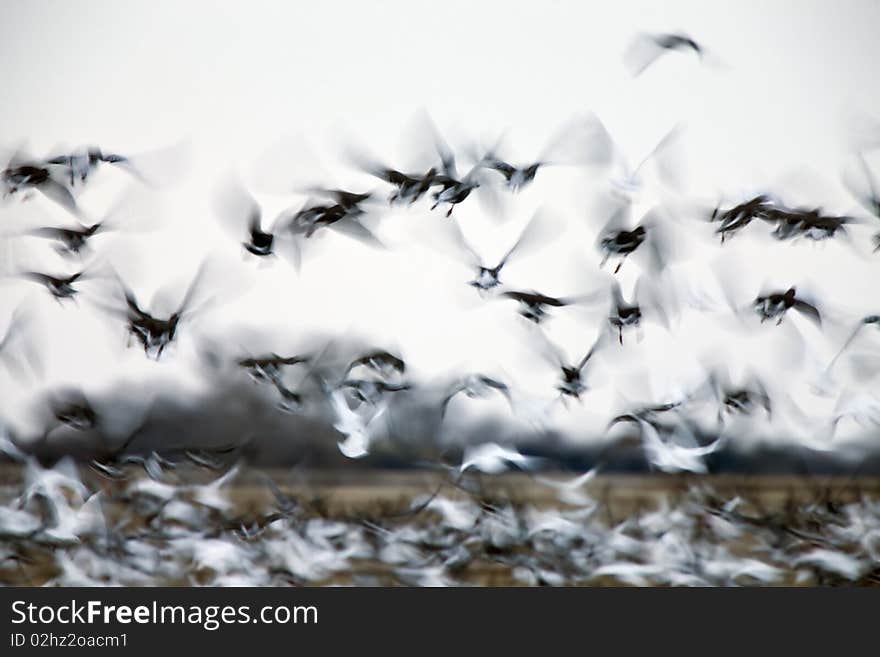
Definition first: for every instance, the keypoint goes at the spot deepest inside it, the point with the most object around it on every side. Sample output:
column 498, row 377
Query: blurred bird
column 618, row 238
column 533, row 304
column 737, row 399
column 80, row 164
column 774, row 305
column 70, row 240
column 493, row 458
column 267, row 369
column 863, row 186
column 739, row 216
column 474, row 386
column 371, row 391
column 533, row 236
column 382, row 362
column 812, row 224
column 669, row 455
column 408, row 187
column 341, row 213
column 569, row 491
column 60, row 287
column 646, row 48
column 292, row 402
column 870, row 320
column 16, row 343
column 453, row 189
column 242, row 216
column 647, row 304
column 556, row 152
column 571, row 380
column 155, row 334
column 19, row 175
column 358, row 428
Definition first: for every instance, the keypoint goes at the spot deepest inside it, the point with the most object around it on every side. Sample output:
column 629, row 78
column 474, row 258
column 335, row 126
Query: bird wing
column 354, row 229
column 57, row 192
column 642, row 51
column 535, row 234
column 809, row 310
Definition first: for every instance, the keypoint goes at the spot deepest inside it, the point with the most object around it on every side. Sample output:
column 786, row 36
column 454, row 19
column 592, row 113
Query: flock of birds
column 65, row 530
column 359, row 392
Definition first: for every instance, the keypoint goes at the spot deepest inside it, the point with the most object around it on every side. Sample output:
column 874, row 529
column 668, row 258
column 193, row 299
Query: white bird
column 671, row 457
column 832, row 561
column 492, row 458
column 358, row 430
column 569, row 491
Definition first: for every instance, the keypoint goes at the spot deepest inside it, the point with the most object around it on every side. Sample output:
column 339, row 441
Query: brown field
column 386, row 498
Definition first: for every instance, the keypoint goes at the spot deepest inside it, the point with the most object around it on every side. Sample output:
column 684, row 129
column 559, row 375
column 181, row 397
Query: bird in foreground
column 647, row 48
column 776, row 304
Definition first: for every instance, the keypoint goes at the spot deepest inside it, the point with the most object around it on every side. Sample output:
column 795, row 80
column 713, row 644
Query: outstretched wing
column 808, row 310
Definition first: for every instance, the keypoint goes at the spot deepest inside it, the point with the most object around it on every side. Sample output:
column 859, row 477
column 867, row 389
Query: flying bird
column 487, row 277
column 80, row 164
column 268, row 368
column 492, row 458
column 775, row 305
column 475, row 386
column 533, row 305
column 619, row 238
column 60, row 287
column 156, row 333
column 739, row 216
column 26, row 176
column 647, row 48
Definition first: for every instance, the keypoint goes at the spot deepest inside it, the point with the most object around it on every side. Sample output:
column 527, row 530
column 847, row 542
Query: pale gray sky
column 226, row 82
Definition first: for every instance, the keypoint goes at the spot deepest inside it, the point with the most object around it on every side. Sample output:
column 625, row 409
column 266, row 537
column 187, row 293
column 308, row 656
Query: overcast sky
column 223, row 86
